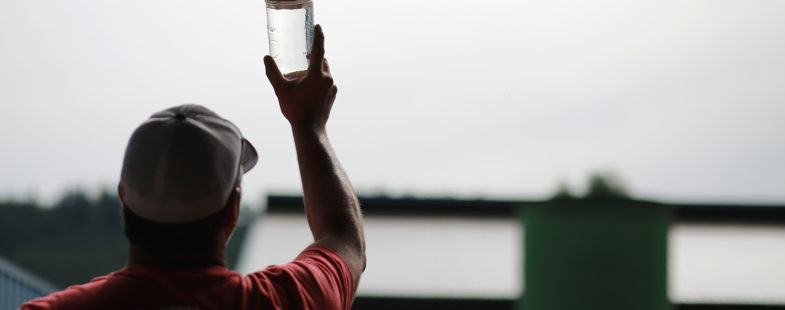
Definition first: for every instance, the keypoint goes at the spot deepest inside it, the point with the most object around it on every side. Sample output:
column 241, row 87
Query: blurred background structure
column 469, row 254
column 437, row 253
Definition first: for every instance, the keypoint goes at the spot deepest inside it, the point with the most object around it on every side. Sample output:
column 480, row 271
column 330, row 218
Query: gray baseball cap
column 182, row 164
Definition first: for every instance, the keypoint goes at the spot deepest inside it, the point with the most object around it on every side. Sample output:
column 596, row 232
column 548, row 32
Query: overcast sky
column 684, row 100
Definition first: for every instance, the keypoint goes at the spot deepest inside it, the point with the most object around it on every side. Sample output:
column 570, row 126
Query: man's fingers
column 317, row 52
column 325, row 66
column 332, row 92
column 273, row 73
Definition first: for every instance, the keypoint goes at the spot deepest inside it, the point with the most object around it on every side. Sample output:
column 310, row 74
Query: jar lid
column 288, row 4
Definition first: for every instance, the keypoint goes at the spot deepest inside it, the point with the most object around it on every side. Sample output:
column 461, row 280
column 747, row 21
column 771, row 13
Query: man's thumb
column 272, row 71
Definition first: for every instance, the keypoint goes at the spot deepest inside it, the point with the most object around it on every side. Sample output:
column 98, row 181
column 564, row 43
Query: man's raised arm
column 330, row 202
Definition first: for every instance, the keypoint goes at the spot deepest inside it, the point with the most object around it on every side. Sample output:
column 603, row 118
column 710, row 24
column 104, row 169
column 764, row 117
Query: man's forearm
column 330, row 202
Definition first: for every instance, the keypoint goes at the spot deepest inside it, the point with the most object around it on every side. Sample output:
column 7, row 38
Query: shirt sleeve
column 317, row 279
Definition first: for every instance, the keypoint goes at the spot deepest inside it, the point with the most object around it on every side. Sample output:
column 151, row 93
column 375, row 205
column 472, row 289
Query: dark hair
column 174, row 241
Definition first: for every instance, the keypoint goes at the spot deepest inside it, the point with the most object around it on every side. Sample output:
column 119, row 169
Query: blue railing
column 18, row 286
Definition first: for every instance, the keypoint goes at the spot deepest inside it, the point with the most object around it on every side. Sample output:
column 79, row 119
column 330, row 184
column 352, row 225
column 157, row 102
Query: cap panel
column 196, row 164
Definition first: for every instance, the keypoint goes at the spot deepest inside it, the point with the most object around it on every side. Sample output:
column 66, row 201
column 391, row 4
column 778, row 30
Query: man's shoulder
column 79, row 294
column 318, row 276
column 306, row 261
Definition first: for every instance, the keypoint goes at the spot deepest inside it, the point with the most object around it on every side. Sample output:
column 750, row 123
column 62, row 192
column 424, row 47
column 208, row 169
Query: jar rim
column 288, row 4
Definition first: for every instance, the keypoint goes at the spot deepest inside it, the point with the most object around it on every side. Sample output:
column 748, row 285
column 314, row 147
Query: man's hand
column 305, row 97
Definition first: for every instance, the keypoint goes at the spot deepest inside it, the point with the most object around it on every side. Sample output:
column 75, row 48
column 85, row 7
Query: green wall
column 595, row 254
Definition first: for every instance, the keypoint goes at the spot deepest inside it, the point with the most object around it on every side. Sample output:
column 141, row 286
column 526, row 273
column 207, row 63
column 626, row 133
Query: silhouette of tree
column 562, row 192
column 605, row 185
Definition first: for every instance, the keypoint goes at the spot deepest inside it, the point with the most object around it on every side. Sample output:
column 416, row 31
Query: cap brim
column 248, row 157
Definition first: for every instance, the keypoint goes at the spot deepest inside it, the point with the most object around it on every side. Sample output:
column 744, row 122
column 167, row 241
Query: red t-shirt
column 317, row 279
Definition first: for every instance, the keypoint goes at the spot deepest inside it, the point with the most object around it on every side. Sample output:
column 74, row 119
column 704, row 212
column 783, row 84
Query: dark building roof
column 407, row 206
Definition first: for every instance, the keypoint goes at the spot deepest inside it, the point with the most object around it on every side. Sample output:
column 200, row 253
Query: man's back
column 317, row 279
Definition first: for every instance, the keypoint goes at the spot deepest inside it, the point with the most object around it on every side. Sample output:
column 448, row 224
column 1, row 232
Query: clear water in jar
column 290, row 33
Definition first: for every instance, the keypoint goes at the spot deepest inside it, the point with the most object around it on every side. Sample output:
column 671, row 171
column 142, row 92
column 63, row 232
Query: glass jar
column 290, row 33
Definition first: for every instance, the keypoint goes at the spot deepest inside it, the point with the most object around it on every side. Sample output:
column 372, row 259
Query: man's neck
column 214, row 257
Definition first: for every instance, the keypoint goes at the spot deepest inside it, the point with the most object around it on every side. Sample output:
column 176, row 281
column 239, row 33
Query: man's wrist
column 308, row 129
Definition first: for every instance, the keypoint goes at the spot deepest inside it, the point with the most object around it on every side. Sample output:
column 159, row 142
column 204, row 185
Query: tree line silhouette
column 74, row 240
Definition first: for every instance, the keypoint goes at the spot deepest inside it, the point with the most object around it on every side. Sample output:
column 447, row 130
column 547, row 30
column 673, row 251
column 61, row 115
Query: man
column 180, row 188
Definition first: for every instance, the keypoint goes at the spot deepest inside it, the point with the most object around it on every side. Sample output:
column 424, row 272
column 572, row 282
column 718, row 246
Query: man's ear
column 120, row 191
column 233, row 213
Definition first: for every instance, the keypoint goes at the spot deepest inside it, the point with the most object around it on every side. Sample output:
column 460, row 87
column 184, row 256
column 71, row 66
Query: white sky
column 683, row 99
